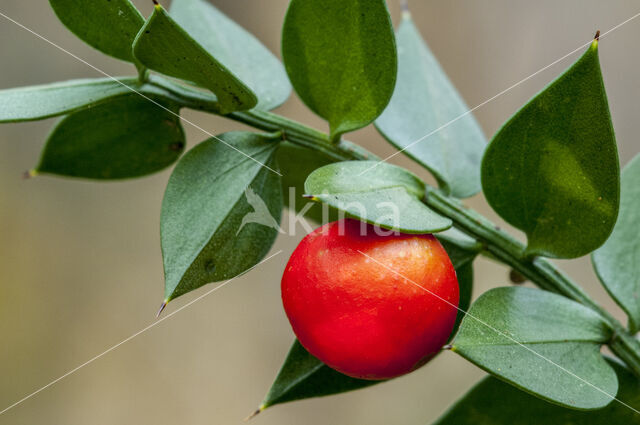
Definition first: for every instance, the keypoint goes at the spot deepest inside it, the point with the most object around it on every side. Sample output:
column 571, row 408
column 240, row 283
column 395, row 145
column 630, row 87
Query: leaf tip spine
column 404, row 7
column 311, row 197
column 254, row 414
column 29, row 174
column 162, row 307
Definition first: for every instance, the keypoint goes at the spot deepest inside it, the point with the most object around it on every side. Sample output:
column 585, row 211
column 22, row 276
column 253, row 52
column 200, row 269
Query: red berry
column 358, row 316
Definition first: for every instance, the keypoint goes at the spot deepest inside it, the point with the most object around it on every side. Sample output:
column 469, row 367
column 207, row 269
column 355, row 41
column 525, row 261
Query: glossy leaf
column 552, row 170
column 109, row 26
column 163, row 46
column 493, row 402
column 50, row 100
column 304, row 376
column 296, row 163
column 242, row 53
column 540, row 342
column 429, row 119
column 123, row 138
column 341, row 58
column 389, row 197
column 617, row 262
column 205, row 235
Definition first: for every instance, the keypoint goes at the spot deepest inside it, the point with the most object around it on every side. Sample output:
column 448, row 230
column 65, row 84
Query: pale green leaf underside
column 387, row 196
column 242, row 53
column 50, row 100
column 546, row 345
column 617, row 262
column 493, row 402
column 429, row 119
column 109, row 26
column 135, row 138
column 163, row 46
column 341, row 58
column 552, row 170
column 203, row 208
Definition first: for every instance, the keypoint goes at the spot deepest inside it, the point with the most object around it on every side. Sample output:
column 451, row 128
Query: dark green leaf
column 243, row 54
column 304, row 376
column 123, row 138
column 388, row 197
column 210, row 192
column 552, row 170
column 108, row 25
column 617, row 262
column 50, row 100
column 341, row 58
column 542, row 343
column 296, row 163
column 162, row 45
column 493, row 402
column 465, row 283
column 429, row 119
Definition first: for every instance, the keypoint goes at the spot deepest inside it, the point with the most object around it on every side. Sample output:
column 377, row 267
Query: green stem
column 497, row 244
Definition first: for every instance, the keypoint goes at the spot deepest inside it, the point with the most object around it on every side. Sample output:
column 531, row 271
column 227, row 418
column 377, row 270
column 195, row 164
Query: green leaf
column 109, row 26
column 123, row 138
column 242, row 53
column 210, row 192
column 540, row 342
column 304, row 376
column 552, row 170
column 492, row 402
column 50, row 100
column 464, row 274
column 341, row 58
column 296, row 163
column 162, row 45
column 462, row 249
column 429, row 119
column 389, row 197
column 617, row 262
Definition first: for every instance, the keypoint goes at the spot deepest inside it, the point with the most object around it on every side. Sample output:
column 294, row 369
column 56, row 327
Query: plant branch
column 496, row 243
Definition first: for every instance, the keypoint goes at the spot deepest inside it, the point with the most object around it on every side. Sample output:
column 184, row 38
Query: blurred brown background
column 80, row 264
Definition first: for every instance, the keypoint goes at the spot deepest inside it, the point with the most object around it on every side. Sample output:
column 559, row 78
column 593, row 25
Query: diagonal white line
column 500, row 332
column 136, row 92
column 491, row 99
column 124, row 341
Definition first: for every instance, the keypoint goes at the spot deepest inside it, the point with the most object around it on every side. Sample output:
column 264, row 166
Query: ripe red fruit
column 360, row 317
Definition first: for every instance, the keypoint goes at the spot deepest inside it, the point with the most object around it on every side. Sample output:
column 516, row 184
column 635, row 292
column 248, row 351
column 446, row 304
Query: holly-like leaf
column 107, row 25
column 552, row 170
column 221, row 211
column 341, row 58
column 51, row 100
column 125, row 137
column 163, row 46
column 429, row 119
column 304, row 376
column 617, row 262
column 389, row 197
column 242, row 53
column 542, row 343
column 493, row 402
